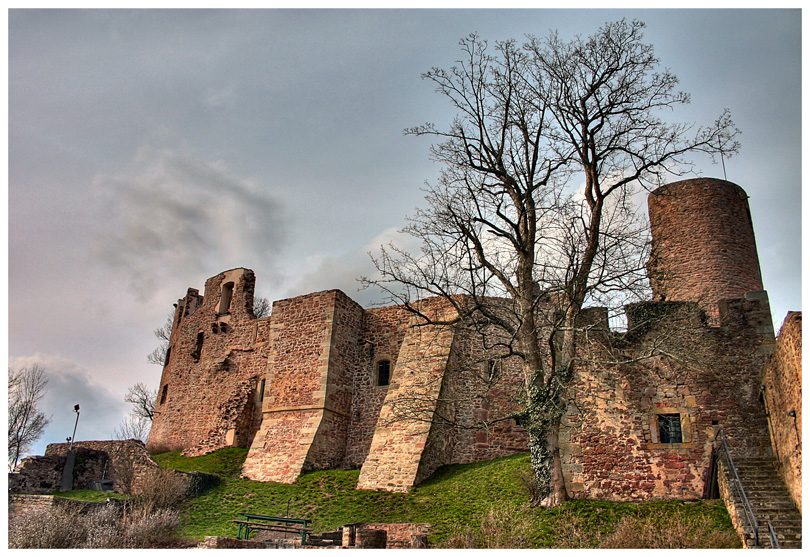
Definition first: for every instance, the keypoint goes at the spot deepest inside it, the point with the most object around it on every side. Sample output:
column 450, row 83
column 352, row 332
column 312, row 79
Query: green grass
column 225, row 462
column 89, row 495
column 458, row 499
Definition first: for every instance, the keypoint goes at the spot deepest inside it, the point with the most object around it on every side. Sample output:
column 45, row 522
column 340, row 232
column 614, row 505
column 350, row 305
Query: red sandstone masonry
column 321, row 406
column 703, row 243
column 395, row 460
column 207, row 398
column 383, row 332
column 782, row 382
column 609, row 446
column 307, row 405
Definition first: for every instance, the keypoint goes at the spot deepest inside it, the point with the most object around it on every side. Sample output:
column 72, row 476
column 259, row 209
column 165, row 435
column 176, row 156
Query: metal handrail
column 774, row 538
column 748, row 511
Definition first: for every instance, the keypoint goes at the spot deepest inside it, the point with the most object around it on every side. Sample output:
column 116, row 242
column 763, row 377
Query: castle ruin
column 322, row 383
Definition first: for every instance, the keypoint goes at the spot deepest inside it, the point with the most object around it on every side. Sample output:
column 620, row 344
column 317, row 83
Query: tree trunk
column 544, row 447
column 545, row 410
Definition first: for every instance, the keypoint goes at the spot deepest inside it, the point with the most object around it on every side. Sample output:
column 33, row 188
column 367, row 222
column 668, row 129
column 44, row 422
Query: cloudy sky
column 150, row 150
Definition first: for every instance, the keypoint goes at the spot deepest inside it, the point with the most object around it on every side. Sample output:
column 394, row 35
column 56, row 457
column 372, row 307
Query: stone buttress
column 408, row 445
column 306, row 409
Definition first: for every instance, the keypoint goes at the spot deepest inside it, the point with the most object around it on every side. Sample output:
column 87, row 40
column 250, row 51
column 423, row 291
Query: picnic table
column 287, row 525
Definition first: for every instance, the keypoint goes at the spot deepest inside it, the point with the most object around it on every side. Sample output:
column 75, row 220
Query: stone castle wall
column 295, row 388
column 302, row 387
column 217, row 357
column 611, row 443
column 398, row 457
column 703, row 243
column 384, row 330
column 782, row 396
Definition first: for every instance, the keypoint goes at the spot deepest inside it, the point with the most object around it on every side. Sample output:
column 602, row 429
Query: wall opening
column 383, row 373
column 669, row 428
column 163, row 394
column 197, row 352
column 225, row 298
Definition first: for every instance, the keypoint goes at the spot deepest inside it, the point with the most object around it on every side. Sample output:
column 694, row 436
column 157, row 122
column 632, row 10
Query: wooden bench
column 283, row 524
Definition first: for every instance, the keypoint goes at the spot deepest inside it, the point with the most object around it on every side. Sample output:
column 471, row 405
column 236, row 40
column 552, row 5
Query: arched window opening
column 225, row 298
column 383, row 373
column 163, row 394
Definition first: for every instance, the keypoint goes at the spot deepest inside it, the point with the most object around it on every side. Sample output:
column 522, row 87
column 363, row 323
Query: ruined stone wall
column 782, row 395
column 208, row 390
column 37, row 475
column 383, row 332
column 106, row 459
column 703, row 243
column 295, row 401
column 670, row 364
column 397, row 459
column 344, row 363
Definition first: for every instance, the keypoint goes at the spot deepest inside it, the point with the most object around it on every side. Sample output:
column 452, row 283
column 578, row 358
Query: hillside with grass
column 475, row 505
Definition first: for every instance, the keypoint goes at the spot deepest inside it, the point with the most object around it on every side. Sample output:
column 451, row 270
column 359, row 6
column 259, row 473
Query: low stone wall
column 124, row 462
column 725, row 490
column 406, row 535
column 218, row 542
column 19, row 504
column 22, row 503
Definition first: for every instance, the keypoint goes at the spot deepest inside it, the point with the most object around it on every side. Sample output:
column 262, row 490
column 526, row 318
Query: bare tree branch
column 26, row 423
column 511, row 238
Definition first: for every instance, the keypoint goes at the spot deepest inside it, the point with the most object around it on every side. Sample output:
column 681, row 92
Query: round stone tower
column 703, row 246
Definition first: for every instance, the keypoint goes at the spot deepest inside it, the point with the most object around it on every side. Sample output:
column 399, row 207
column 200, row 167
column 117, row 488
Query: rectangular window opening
column 383, row 373
column 669, row 428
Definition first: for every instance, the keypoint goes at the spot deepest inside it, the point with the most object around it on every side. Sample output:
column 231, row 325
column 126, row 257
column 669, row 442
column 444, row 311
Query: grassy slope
column 454, row 500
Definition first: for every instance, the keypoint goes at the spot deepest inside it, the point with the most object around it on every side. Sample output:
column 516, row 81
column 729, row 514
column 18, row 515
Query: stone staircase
column 770, row 501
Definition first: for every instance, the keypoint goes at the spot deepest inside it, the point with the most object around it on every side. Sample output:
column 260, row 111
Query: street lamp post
column 73, row 438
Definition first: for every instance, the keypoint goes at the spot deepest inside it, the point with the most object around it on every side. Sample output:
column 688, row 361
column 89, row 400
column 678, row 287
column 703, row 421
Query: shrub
column 148, row 519
column 158, row 489
column 156, row 529
column 64, row 527
column 102, row 528
column 673, row 530
column 500, row 528
column 54, row 528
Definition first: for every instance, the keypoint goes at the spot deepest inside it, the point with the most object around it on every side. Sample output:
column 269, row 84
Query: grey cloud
column 179, row 216
column 325, row 272
column 70, row 384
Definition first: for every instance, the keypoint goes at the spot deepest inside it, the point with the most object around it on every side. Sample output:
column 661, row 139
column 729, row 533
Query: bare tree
column 26, row 423
column 261, row 307
column 163, row 334
column 507, row 238
column 133, row 427
column 139, row 421
column 143, row 401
